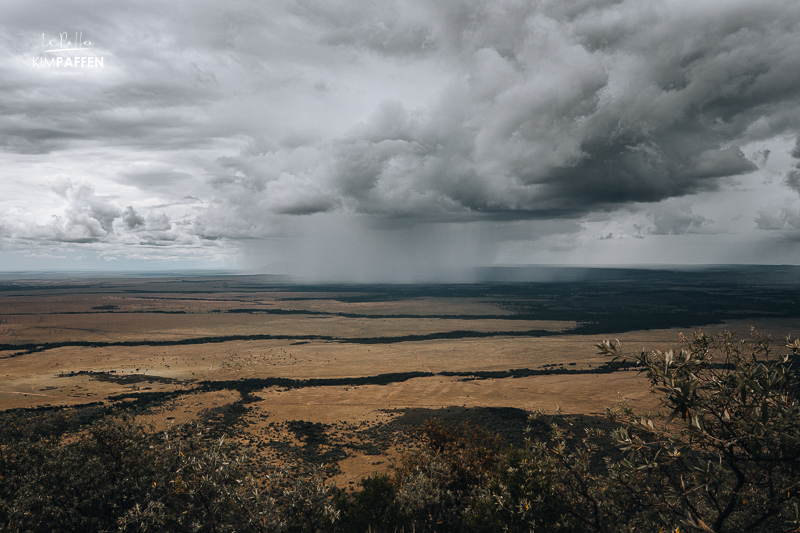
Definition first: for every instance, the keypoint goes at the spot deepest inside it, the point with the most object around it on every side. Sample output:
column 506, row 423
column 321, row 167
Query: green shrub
column 374, row 508
column 726, row 454
column 440, row 483
column 117, row 475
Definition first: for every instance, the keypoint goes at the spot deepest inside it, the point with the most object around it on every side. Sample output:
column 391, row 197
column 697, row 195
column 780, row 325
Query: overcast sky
column 368, row 140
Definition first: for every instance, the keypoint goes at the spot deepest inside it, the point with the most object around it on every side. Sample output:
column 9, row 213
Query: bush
column 724, row 456
column 440, row 483
column 118, row 475
column 374, row 508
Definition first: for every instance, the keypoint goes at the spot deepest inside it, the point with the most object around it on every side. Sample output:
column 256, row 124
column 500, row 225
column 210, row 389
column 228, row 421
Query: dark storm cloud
column 551, row 112
column 625, row 102
column 552, row 109
column 399, row 113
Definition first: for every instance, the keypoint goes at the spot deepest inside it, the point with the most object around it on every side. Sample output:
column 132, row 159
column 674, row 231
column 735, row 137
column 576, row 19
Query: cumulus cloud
column 85, row 217
column 132, row 219
column 676, row 222
column 778, row 218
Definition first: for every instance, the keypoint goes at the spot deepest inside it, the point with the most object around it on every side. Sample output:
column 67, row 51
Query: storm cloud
column 377, row 132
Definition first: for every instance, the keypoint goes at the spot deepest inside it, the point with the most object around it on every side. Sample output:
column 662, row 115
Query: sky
column 405, row 141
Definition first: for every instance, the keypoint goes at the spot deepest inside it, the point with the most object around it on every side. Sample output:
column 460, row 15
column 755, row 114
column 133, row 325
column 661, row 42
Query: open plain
column 335, row 373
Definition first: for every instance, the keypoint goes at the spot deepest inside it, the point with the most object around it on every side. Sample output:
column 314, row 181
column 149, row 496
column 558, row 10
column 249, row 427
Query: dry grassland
column 113, row 311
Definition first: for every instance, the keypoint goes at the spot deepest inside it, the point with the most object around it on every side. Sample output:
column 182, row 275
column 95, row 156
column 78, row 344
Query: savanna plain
column 336, row 374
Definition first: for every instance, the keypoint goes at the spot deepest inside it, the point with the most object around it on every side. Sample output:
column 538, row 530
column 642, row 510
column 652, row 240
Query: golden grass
column 46, row 377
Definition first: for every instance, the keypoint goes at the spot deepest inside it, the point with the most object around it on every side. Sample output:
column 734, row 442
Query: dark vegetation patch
column 144, row 402
column 40, row 347
column 509, row 423
column 458, row 334
column 148, row 400
column 607, row 301
column 318, row 445
column 125, row 379
column 246, row 385
column 225, row 420
column 272, row 311
column 253, row 384
column 29, row 348
column 46, row 422
column 137, row 402
column 442, row 316
column 116, row 312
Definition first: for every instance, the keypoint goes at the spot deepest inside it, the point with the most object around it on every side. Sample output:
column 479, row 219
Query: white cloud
column 676, row 221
